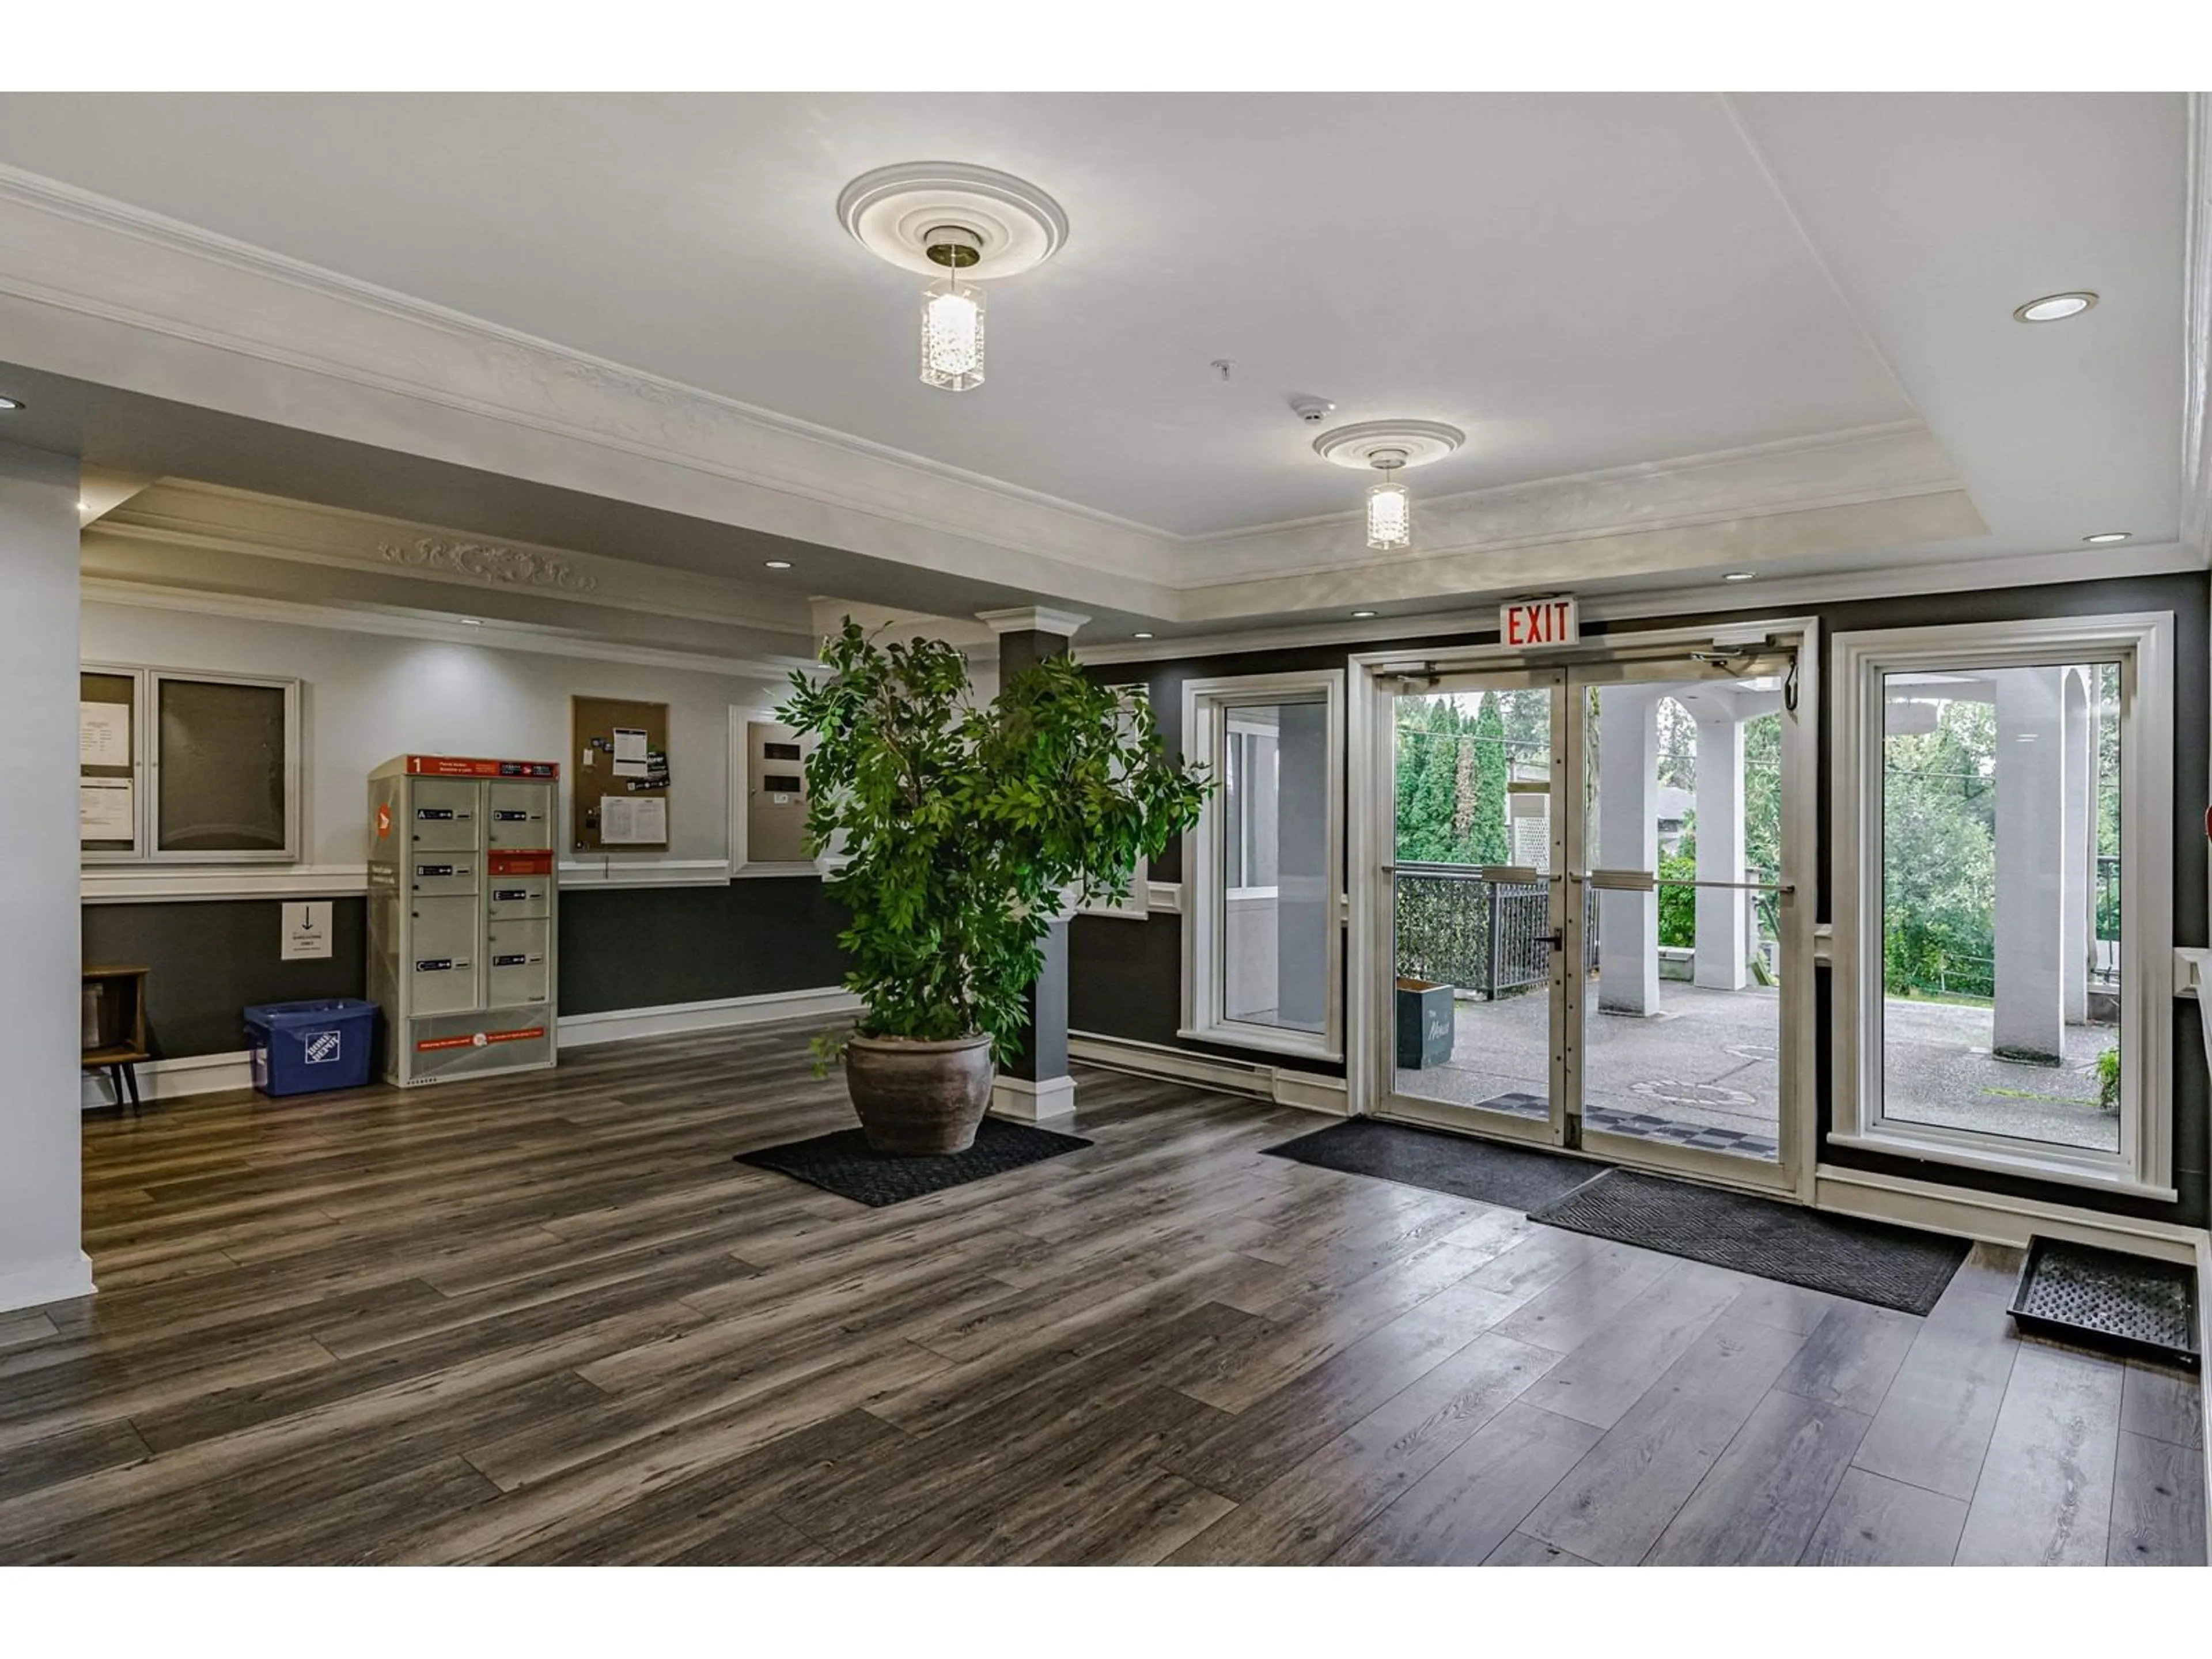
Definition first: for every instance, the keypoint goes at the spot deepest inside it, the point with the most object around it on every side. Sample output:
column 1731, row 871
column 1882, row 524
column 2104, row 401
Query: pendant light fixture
column 1389, row 504
column 958, row 226
column 1389, row 447
column 952, row 313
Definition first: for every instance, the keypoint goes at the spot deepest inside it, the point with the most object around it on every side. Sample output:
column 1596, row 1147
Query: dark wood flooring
column 547, row 1319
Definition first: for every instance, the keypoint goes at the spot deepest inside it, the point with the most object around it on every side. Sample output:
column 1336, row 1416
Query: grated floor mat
column 2102, row 1298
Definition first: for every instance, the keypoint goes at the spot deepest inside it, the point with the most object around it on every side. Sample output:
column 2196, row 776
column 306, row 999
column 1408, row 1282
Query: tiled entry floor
column 548, row 1319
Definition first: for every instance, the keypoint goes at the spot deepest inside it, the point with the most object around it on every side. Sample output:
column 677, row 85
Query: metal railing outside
column 1456, row 927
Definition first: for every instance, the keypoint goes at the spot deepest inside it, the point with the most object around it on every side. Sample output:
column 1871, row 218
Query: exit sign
column 1525, row 623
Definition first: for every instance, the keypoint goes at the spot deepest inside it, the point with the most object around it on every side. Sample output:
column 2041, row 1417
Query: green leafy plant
column 2108, row 1079
column 965, row 831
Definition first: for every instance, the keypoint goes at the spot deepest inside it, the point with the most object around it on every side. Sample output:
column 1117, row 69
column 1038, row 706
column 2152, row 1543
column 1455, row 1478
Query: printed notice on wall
column 306, row 931
column 633, row 820
column 103, row 734
column 630, row 751
column 103, row 809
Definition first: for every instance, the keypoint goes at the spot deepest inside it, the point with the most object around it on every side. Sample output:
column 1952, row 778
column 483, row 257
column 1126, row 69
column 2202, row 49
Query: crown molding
column 397, row 623
column 1781, row 595
column 181, row 513
column 2197, row 333
column 103, row 291
column 1032, row 619
column 1864, row 466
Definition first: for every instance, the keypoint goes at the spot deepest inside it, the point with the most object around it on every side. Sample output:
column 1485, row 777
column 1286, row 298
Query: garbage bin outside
column 1424, row 1023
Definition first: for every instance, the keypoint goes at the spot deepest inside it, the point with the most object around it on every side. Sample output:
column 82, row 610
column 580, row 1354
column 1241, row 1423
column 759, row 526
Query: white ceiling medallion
column 959, row 226
column 1388, row 446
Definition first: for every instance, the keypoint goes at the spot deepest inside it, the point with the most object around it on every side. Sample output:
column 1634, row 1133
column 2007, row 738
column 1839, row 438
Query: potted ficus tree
column 963, row 832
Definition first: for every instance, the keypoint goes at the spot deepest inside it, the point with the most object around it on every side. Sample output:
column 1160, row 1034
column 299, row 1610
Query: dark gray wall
column 647, row 947
column 621, row 947
column 210, row 958
column 1125, row 978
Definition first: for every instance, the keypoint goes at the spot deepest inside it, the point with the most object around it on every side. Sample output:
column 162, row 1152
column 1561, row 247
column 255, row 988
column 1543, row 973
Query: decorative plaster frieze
column 488, row 562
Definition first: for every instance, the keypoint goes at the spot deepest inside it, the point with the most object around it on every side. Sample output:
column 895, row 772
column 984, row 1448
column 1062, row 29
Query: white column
column 1628, row 839
column 41, row 1258
column 1720, row 952
column 2077, row 891
column 2030, row 835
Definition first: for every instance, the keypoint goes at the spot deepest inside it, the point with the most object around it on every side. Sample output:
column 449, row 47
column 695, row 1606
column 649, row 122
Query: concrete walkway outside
column 1709, row 1059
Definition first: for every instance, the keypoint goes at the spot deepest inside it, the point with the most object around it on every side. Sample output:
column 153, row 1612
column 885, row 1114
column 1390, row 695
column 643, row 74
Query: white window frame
column 146, row 767
column 1206, row 707
column 2143, row 644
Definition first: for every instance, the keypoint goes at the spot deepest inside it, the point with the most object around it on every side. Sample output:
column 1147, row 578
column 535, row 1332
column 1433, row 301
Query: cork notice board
column 618, row 798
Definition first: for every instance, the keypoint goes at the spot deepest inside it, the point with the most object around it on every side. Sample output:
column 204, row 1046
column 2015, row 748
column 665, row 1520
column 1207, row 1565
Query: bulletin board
column 107, row 724
column 619, row 778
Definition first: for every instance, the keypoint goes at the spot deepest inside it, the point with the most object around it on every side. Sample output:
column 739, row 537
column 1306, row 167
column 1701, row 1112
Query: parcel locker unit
column 461, row 914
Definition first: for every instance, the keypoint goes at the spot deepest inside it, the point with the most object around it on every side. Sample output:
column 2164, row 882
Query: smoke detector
column 1312, row 410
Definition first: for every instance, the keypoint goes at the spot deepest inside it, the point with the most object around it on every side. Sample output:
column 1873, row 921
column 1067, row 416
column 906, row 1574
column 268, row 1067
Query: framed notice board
column 618, row 791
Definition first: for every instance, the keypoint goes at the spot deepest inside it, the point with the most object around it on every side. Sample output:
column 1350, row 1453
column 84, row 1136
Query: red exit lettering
column 1526, row 623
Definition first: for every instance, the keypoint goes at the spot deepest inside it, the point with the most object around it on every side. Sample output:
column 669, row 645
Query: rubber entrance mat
column 2101, row 1298
column 842, row 1162
column 1512, row 1176
column 1866, row 1260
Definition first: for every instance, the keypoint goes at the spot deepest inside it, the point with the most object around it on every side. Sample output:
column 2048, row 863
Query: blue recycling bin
column 308, row 1048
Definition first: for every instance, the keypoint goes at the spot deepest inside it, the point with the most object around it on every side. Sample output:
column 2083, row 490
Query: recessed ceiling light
column 2107, row 538
column 1738, row 575
column 2056, row 307
column 1361, row 616
column 1140, row 636
column 7, row 403
column 779, row 564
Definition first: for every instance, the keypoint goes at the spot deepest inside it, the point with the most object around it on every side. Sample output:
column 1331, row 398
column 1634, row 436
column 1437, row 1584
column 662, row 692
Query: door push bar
column 1644, row 881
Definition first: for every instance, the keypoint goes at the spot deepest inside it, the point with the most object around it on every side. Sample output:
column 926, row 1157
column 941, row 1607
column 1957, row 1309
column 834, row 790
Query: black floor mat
column 1515, row 1176
column 842, row 1164
column 1866, row 1260
column 2103, row 1299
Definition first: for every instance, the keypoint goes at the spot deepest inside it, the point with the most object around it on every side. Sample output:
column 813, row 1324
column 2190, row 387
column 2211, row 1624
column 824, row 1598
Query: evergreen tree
column 1491, row 843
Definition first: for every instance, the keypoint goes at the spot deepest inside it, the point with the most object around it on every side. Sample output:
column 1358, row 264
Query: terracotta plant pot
column 919, row 1099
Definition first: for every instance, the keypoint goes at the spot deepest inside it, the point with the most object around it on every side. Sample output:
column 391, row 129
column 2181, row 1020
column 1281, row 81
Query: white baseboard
column 60, row 1280
column 1995, row 1218
column 622, row 1024
column 207, row 1074
column 171, row 1079
column 1306, row 1091
column 1027, row 1102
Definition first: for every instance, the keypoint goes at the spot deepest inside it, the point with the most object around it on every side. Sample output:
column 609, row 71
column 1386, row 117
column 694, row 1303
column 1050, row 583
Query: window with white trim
column 2003, row 909
column 186, row 768
column 1263, row 943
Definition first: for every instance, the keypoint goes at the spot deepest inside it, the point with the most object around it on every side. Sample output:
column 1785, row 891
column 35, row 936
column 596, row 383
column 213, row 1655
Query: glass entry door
column 1477, row 889
column 1595, row 930
column 1682, row 1037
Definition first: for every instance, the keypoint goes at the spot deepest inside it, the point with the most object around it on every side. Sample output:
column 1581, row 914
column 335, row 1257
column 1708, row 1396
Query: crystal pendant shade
column 953, row 335
column 1389, row 516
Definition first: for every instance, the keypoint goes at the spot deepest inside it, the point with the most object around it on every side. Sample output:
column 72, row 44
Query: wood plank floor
column 548, row 1319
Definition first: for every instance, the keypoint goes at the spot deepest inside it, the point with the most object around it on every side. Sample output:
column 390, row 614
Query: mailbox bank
column 462, row 915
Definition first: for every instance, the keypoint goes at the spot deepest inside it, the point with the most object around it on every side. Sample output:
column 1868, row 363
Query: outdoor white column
column 41, row 1257
column 2077, row 891
column 1628, row 839
column 2030, row 850
column 1721, row 911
